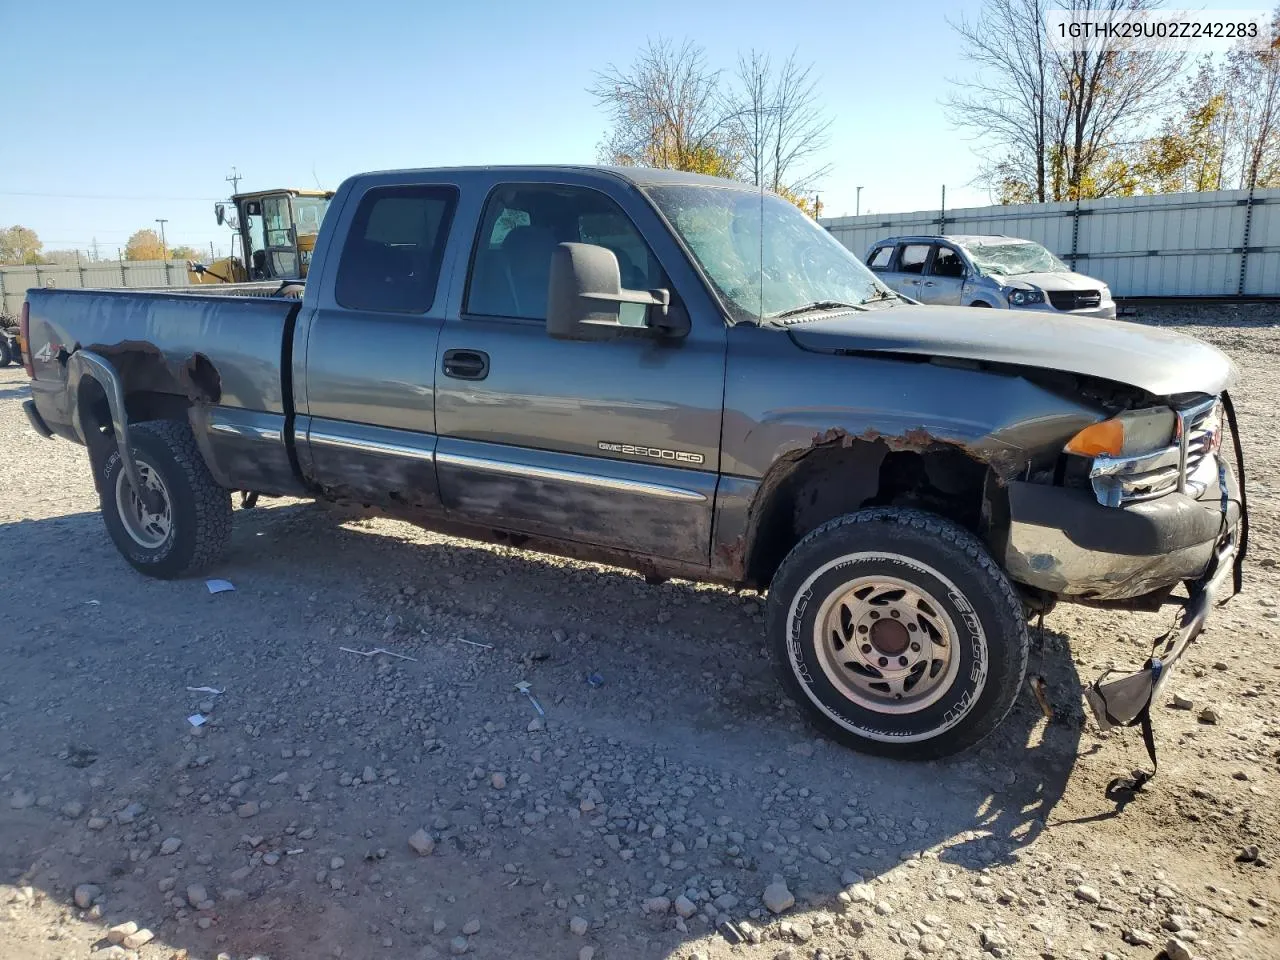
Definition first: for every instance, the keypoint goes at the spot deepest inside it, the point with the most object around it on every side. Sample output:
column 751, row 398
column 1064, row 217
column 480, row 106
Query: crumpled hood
column 1051, row 281
column 1158, row 361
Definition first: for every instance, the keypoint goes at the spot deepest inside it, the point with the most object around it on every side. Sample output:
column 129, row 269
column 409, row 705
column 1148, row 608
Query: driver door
column 613, row 442
column 943, row 280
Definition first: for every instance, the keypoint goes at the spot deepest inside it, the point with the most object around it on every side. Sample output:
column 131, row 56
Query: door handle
column 466, row 364
column 928, row 283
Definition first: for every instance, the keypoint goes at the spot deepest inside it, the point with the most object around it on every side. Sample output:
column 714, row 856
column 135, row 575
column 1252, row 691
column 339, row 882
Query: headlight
column 1106, row 292
column 1128, row 435
column 1020, row 298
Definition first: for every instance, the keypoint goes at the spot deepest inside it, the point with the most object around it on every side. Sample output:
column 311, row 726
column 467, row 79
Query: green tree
column 20, row 244
column 184, row 252
column 144, row 245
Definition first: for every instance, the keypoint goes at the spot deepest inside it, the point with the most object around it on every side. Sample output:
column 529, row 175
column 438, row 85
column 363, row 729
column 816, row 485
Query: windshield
column 309, row 211
column 1011, row 259
column 797, row 263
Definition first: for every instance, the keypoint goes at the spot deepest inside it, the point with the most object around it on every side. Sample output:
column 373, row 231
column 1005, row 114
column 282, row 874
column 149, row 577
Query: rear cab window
column 520, row 229
column 391, row 259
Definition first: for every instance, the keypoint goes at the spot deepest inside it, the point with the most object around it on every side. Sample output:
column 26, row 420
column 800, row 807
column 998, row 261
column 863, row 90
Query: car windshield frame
column 1040, row 260
column 806, row 264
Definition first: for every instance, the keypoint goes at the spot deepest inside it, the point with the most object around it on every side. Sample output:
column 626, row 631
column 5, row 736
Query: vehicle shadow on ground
column 896, row 821
column 11, row 393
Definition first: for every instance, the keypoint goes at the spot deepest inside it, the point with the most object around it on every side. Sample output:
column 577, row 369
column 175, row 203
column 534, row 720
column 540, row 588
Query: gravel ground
column 336, row 805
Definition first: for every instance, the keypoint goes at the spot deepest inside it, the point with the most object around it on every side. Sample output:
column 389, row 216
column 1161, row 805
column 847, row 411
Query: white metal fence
column 1219, row 244
column 16, row 281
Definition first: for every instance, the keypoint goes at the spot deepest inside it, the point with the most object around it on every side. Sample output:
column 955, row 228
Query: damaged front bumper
column 1064, row 542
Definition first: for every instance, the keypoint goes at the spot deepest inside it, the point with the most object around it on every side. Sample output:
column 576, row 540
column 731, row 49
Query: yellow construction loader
column 276, row 231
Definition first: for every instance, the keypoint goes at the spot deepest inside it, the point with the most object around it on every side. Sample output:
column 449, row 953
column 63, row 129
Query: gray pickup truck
column 691, row 379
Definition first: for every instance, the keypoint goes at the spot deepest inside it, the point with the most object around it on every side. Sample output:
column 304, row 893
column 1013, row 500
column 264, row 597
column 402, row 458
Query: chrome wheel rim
column 886, row 644
column 146, row 528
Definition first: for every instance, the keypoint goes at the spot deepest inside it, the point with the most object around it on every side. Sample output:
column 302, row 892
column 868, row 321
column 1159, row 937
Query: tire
column 6, row 352
column 194, row 528
column 966, row 648
column 980, row 303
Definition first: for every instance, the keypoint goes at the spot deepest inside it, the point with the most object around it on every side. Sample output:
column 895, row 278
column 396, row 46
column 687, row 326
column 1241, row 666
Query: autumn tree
column 184, row 252
column 20, row 245
column 1059, row 117
column 666, row 109
column 670, row 109
column 144, row 245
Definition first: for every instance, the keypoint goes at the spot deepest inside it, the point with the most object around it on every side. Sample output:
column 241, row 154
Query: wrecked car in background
column 987, row 271
column 673, row 374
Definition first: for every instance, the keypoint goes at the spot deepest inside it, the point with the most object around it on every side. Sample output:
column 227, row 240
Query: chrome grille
column 1185, row 466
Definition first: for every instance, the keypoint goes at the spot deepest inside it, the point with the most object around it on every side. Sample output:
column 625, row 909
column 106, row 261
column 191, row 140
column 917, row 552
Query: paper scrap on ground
column 197, row 719
column 219, row 586
column 204, row 690
column 376, row 650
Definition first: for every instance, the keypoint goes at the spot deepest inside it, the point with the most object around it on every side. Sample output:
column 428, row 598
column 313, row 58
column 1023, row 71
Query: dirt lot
column 633, row 819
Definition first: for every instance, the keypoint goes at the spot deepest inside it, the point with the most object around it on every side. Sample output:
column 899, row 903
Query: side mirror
column 220, row 213
column 586, row 300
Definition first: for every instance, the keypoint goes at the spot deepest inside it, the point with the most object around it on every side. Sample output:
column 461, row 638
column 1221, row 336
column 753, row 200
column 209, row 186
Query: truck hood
column 1159, row 361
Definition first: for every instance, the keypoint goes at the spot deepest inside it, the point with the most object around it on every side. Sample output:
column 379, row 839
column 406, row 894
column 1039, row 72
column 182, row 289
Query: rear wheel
column 6, row 352
column 185, row 523
column 897, row 633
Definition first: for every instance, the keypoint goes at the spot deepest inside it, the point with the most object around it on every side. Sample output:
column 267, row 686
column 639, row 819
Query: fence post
column 1244, row 246
column 1075, row 232
column 124, row 277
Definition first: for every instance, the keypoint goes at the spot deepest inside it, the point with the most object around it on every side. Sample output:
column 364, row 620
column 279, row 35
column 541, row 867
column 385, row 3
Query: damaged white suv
column 987, row 271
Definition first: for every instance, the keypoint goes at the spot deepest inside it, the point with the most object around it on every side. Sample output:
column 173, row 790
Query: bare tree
column 1255, row 101
column 779, row 123
column 1060, row 116
column 1007, row 101
column 666, row 110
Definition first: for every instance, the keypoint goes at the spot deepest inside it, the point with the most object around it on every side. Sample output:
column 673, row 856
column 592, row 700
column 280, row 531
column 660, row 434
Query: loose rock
column 422, row 843
column 777, row 898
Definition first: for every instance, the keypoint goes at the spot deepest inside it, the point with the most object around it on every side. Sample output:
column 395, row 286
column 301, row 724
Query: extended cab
column 689, row 378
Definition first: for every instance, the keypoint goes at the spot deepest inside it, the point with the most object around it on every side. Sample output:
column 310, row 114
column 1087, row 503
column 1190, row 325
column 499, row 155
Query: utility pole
column 857, row 209
column 234, row 180
column 95, row 249
column 164, row 247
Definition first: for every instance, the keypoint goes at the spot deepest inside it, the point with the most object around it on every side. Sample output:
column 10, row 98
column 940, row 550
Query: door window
column 947, row 263
column 880, row 258
column 391, row 259
column 521, row 227
column 913, row 257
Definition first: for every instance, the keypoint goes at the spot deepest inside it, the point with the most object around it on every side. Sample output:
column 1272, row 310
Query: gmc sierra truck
column 689, row 378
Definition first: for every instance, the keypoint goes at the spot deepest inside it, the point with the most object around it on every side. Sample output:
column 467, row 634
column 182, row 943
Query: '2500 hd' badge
column 653, row 453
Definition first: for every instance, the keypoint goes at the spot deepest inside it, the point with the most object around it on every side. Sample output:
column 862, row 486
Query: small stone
column 993, row 939
column 85, row 894
column 498, row 781
column 139, row 939
column 97, row 823
column 777, row 897
column 112, row 952
column 862, row 893
column 247, row 809
column 121, row 930
column 367, row 775
column 130, row 813
column 1088, row 894
column 422, row 843
column 1248, row 854
column 22, row 799
column 932, row 943
column 197, row 894
column 458, row 946
column 1179, row 702
column 72, row 809
column 535, row 725
column 586, row 953
column 171, row 846
column 1175, row 949
column 578, row 927
column 685, row 907
column 1209, row 715
column 1139, row 938
column 439, row 925
column 657, row 905
column 802, row 930
column 726, row 902
column 471, row 927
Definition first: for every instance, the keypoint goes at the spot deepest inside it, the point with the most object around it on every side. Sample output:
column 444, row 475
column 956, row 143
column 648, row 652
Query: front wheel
column 897, row 633
column 186, row 525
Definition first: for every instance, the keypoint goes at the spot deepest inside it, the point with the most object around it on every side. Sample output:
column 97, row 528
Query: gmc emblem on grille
column 653, row 453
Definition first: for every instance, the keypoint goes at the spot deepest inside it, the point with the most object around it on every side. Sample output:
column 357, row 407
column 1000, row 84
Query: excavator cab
column 277, row 230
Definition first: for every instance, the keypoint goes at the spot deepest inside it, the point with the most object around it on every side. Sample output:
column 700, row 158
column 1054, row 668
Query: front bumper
column 1106, row 310
column 1062, row 541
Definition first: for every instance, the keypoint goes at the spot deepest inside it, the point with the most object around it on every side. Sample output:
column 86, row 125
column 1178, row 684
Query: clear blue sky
column 157, row 101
